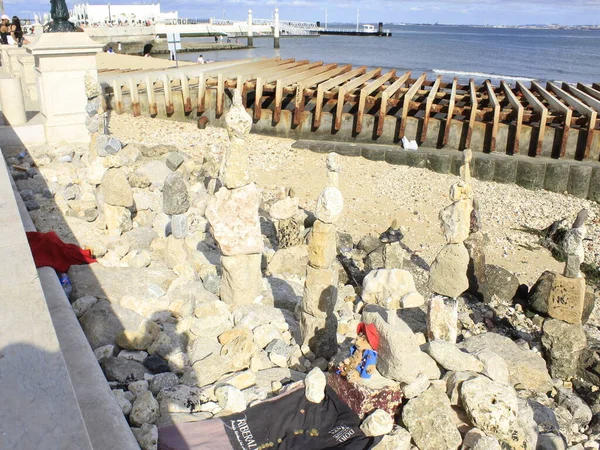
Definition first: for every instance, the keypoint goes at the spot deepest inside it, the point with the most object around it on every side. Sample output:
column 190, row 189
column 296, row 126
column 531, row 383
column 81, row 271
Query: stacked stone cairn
column 318, row 324
column 567, row 302
column 448, row 276
column 183, row 325
column 233, row 216
column 288, row 221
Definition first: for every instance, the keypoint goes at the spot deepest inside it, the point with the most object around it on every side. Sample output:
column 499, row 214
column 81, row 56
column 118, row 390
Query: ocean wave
column 481, row 75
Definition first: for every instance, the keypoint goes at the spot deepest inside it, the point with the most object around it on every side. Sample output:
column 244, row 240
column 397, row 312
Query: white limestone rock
column 116, row 189
column 442, row 319
column 145, row 410
column 230, row 399
column 377, row 423
column 390, row 288
column 491, row 406
column 398, row 439
column 146, row 436
column 450, row 357
column 233, row 217
column 400, row 357
column 315, row 383
column 330, row 205
column 122, row 401
column 448, row 275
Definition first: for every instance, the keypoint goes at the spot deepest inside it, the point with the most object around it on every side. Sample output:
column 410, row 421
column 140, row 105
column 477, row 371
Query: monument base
column 62, row 62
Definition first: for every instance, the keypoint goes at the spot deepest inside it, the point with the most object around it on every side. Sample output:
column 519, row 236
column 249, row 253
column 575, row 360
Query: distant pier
column 366, row 30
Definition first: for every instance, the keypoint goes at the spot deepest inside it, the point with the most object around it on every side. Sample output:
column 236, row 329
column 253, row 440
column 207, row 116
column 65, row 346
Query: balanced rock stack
column 448, row 275
column 97, row 120
column 288, row 221
column 233, row 216
column 318, row 323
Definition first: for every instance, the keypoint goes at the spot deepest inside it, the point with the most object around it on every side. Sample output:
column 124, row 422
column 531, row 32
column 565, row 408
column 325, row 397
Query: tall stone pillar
column 318, row 323
column 250, row 35
column 448, row 275
column 233, row 215
column 62, row 61
column 276, row 30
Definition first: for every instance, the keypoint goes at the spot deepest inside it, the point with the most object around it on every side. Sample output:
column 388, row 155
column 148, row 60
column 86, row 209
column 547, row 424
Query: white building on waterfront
column 111, row 14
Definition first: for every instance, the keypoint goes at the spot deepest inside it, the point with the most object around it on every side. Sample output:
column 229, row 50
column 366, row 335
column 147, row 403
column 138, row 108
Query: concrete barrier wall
column 576, row 178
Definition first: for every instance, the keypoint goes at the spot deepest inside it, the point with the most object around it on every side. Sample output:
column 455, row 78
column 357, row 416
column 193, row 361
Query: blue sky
column 493, row 12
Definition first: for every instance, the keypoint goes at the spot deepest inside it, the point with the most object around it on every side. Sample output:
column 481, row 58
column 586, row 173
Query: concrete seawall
column 54, row 394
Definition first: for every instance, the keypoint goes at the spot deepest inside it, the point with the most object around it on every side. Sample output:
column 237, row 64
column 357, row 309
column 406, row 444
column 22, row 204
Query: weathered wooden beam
column 185, row 92
column 496, row 120
column 220, row 95
column 450, row 114
column 407, row 100
column 328, row 85
column 582, row 108
column 589, row 90
column 541, row 109
column 170, row 109
column 365, row 92
column 295, row 78
column 201, row 93
column 385, row 95
column 272, row 76
column 135, row 98
column 349, row 87
column 473, row 114
column 518, row 107
column 588, row 100
column 556, row 105
column 118, row 95
column 430, row 99
column 152, row 106
column 300, row 96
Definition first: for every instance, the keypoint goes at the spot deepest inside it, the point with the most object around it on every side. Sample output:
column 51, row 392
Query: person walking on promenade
column 147, row 50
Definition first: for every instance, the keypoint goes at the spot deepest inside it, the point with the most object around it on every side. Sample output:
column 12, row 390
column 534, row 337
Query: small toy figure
column 363, row 354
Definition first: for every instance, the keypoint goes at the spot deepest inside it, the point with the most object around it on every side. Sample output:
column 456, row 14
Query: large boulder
column 116, row 189
column 527, row 369
column 500, row 285
column 448, row 275
column 113, row 283
column 109, row 324
column 491, row 407
column 430, row 421
column 389, row 288
column 400, row 357
column 233, row 217
column 563, row 343
column 561, row 298
column 175, row 195
column 450, row 357
column 290, row 261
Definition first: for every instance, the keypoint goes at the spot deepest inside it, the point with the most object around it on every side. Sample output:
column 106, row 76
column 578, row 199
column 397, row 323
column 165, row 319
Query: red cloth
column 371, row 332
column 49, row 251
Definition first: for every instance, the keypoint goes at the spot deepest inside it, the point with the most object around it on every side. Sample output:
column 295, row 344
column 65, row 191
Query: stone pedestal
column 366, row 396
column 13, row 105
column 61, row 63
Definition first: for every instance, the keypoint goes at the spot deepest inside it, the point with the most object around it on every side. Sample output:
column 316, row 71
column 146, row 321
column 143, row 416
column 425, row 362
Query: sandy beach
column 376, row 193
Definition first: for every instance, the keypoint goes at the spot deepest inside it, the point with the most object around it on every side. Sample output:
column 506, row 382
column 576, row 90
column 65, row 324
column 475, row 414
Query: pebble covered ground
column 377, row 192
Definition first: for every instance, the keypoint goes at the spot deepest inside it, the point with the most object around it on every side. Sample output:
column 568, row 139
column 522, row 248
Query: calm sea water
column 465, row 52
